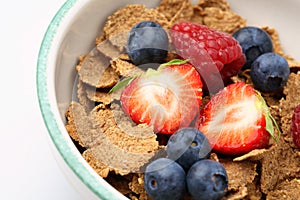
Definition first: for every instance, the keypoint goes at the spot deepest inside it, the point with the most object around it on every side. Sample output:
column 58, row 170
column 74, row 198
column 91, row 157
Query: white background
column 28, row 170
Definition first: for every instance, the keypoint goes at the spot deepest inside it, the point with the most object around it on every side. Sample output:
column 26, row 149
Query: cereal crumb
column 273, row 166
column 217, row 15
column 109, row 50
column 82, row 97
column 103, row 133
column 125, row 68
column 137, row 186
column 98, row 166
column 292, row 99
column 288, row 189
column 122, row 132
column 240, row 174
column 125, row 18
column 71, row 126
column 95, row 71
column 275, row 39
column 120, row 182
column 221, row 4
column 255, row 154
column 99, row 95
column 176, row 10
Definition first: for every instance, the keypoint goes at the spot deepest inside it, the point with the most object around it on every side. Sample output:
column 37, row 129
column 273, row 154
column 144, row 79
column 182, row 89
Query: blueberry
column 254, row 42
column 188, row 145
column 269, row 72
column 207, row 180
column 147, row 43
column 165, row 180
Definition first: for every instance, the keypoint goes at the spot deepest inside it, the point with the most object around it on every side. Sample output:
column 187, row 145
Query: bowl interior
column 87, row 23
column 78, row 22
column 79, row 39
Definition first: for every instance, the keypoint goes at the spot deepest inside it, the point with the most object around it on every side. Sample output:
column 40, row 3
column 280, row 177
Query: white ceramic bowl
column 72, row 32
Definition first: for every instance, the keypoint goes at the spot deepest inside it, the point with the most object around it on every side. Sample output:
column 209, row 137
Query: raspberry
column 210, row 51
column 295, row 126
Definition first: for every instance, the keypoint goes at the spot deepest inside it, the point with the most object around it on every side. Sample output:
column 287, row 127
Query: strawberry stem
column 123, row 83
column 173, row 62
column 150, row 72
column 277, row 127
column 270, row 121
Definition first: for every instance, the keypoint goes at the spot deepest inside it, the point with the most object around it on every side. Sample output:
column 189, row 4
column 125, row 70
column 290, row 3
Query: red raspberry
column 295, row 126
column 215, row 54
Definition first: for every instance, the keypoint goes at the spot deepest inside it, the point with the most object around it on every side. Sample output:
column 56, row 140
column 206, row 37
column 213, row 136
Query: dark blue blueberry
column 207, row 180
column 147, row 43
column 269, row 72
column 254, row 42
column 165, row 180
column 188, row 145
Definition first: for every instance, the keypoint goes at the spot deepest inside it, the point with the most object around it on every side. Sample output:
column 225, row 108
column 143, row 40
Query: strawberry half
column 168, row 98
column 216, row 55
column 236, row 120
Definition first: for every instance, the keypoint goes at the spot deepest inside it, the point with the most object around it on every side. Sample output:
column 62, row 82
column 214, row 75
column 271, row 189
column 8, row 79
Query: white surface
column 28, row 169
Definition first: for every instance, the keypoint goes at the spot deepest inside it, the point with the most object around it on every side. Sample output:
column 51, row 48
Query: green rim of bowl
column 71, row 158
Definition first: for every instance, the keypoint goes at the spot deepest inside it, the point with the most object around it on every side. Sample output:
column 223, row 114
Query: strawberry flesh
column 235, row 120
column 167, row 99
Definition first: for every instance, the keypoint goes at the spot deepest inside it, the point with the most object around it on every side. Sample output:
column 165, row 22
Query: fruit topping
column 207, row 180
column 168, row 98
column 188, row 145
column 295, row 127
column 216, row 55
column 147, row 43
column 254, row 42
column 269, row 72
column 236, row 120
column 164, row 179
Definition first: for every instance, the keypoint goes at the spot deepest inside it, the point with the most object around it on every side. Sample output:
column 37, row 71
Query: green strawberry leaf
column 151, row 72
column 126, row 81
column 270, row 121
column 121, row 84
column 173, row 62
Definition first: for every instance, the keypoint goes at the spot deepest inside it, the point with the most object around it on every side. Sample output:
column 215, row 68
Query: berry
column 207, row 180
column 188, row 145
column 269, row 72
column 236, row 120
column 147, row 43
column 168, row 98
column 165, row 180
column 254, row 42
column 295, row 126
column 217, row 56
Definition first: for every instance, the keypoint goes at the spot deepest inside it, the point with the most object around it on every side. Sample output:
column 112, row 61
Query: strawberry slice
column 236, row 120
column 168, row 98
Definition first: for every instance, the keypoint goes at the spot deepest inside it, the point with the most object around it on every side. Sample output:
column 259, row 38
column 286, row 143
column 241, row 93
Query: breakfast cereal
column 217, row 15
column 97, row 124
column 176, row 10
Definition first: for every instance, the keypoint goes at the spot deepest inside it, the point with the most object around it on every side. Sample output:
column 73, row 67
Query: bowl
column 72, row 32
